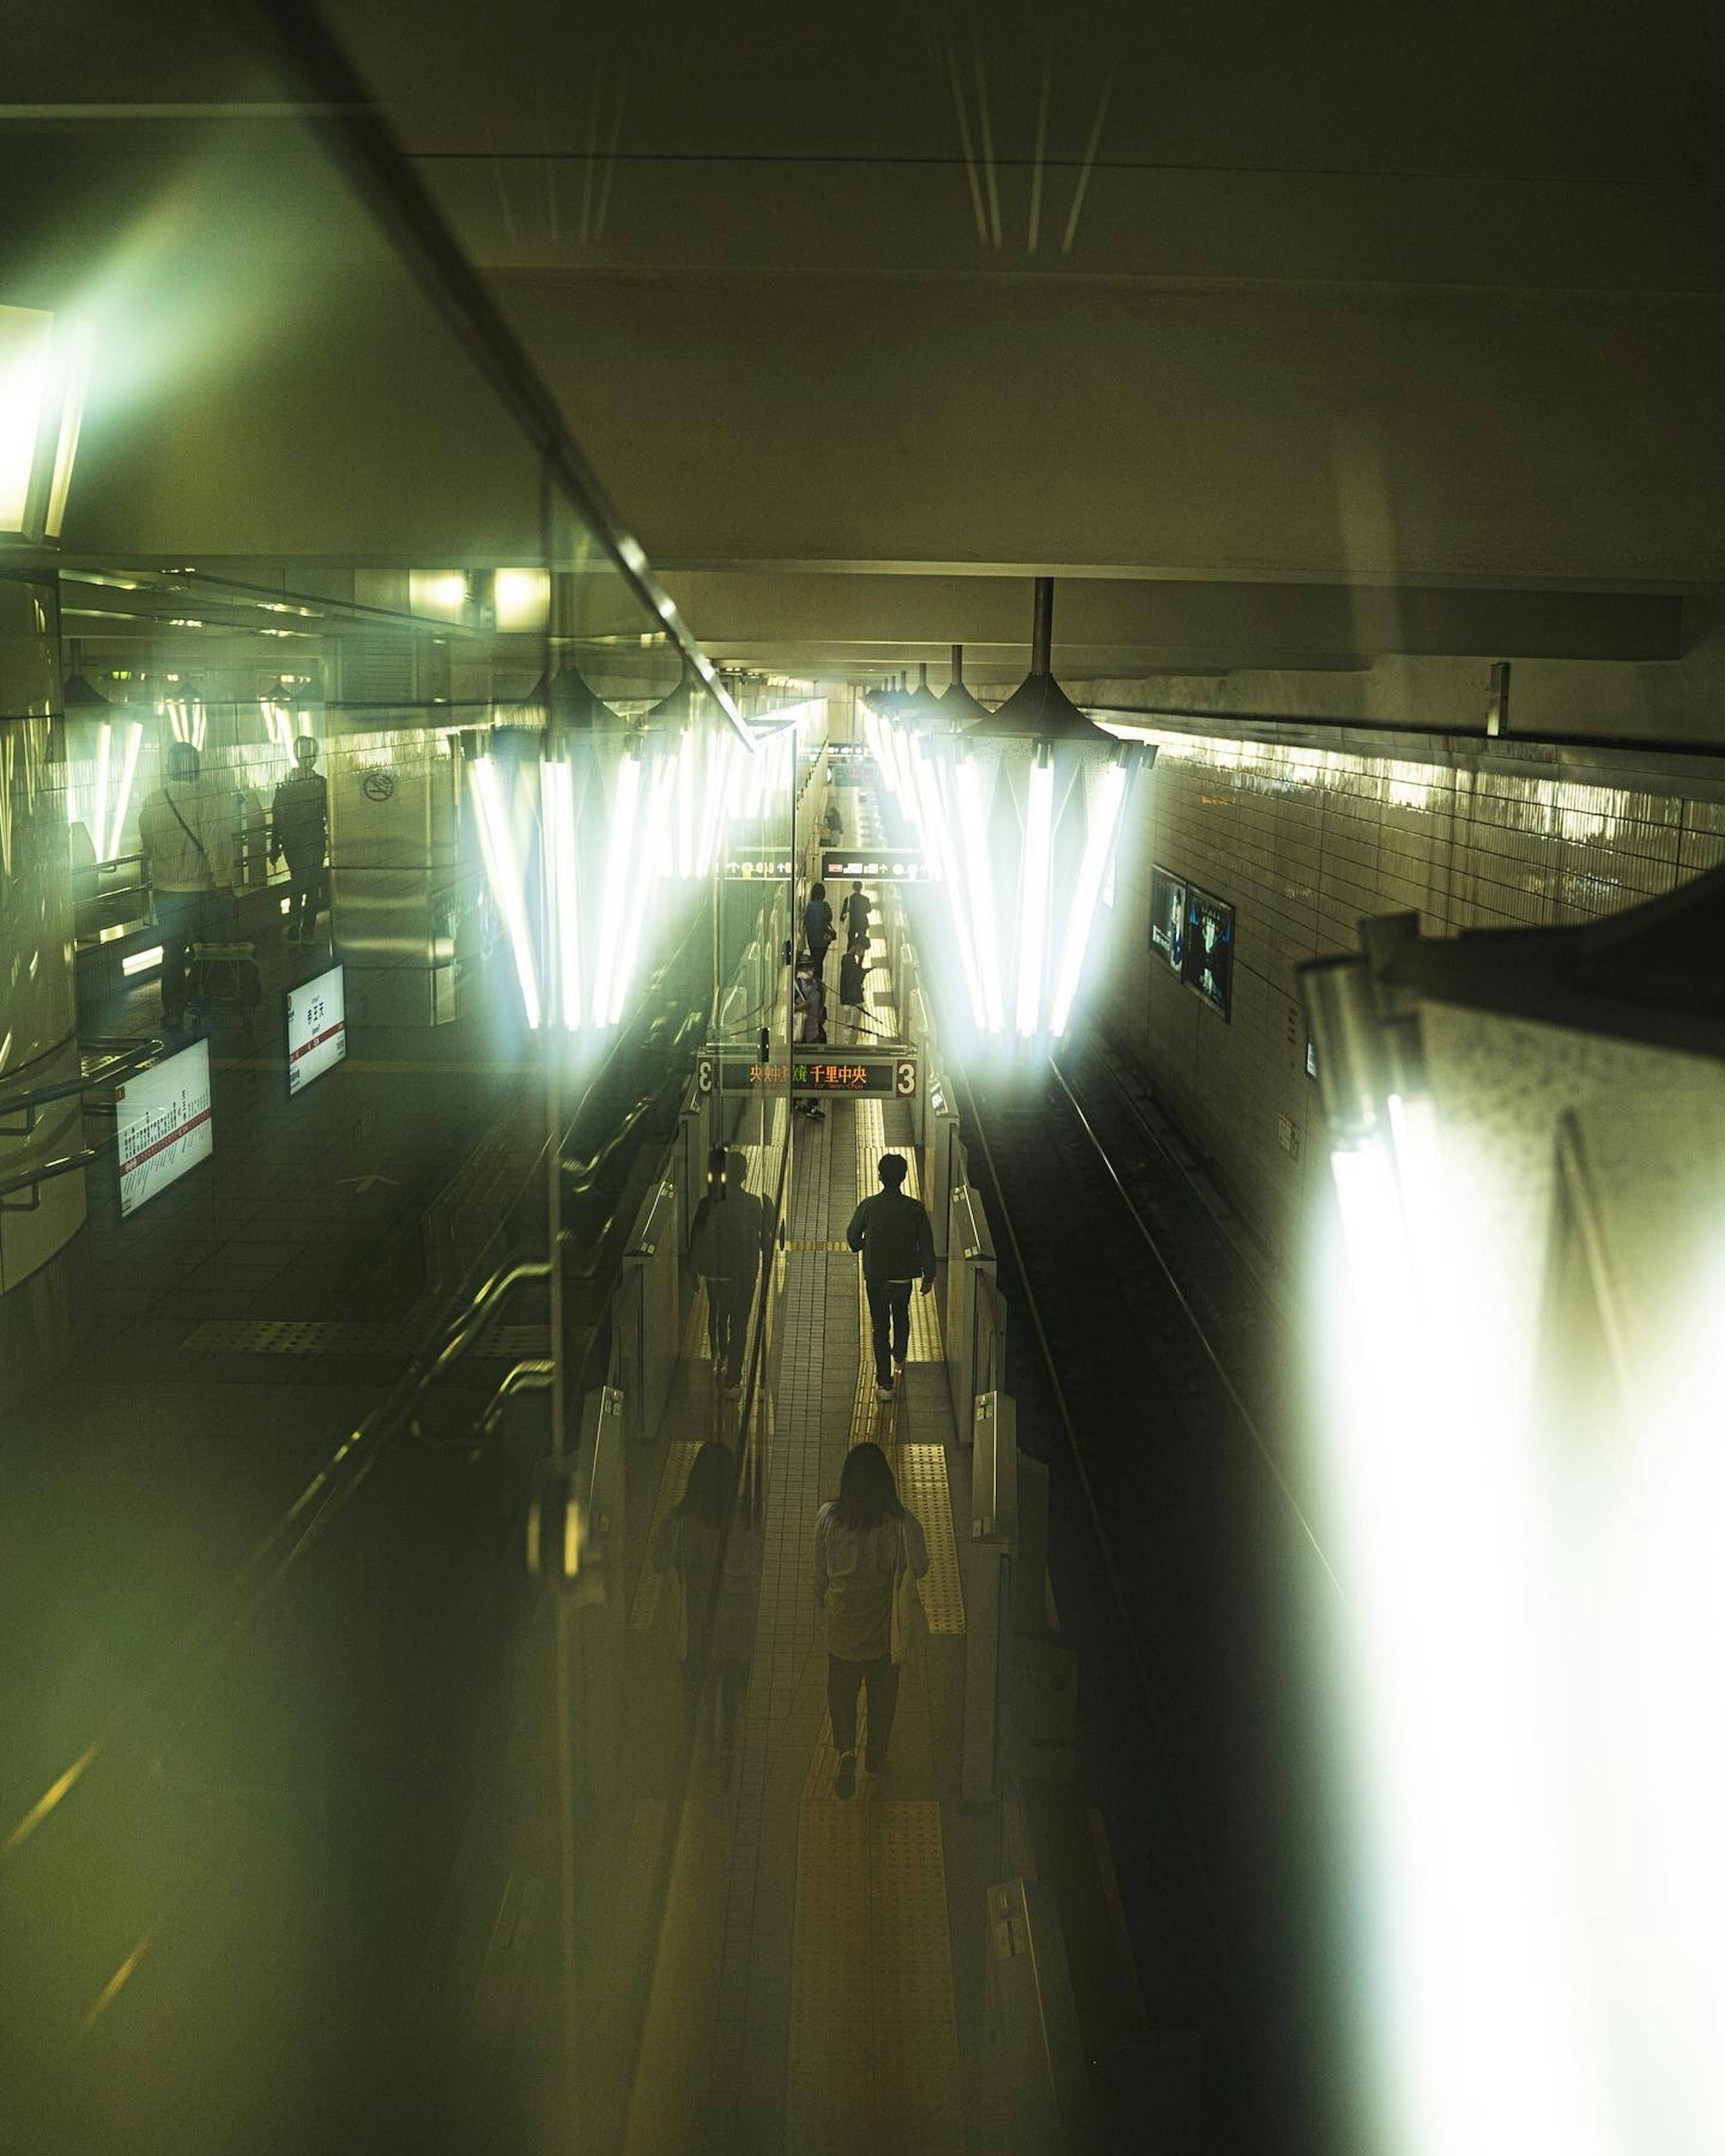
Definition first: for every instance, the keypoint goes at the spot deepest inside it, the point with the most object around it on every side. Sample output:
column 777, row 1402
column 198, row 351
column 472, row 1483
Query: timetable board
column 163, row 1125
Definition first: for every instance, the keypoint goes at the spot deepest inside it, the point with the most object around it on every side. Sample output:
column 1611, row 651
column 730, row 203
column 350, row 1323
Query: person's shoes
column 733, row 1387
column 290, row 935
column 173, row 1020
column 883, row 1392
column 844, row 1781
column 898, row 1365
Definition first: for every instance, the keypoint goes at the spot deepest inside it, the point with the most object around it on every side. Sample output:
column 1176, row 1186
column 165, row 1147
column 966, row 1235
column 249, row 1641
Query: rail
column 118, row 1059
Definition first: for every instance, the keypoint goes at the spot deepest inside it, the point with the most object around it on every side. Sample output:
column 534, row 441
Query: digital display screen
column 163, row 1125
column 892, row 1074
column 879, row 865
column 316, row 1028
column 1168, row 916
column 1206, row 963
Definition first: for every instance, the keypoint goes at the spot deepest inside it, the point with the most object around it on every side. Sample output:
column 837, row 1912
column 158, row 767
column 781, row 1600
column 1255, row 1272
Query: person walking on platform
column 897, row 1240
column 710, row 1547
column 185, row 837
column 857, row 913
column 853, row 972
column 299, row 828
column 808, row 1014
column 863, row 1541
column 818, row 929
column 728, row 1245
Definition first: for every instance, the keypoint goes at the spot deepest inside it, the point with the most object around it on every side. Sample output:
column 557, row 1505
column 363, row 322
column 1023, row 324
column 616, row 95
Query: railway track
column 1157, row 1372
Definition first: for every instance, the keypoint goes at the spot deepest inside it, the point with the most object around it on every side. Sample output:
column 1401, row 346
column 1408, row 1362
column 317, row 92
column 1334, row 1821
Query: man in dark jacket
column 299, row 827
column 897, row 1240
column 728, row 1244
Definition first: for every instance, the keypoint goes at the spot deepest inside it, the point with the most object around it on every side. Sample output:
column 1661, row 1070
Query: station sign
column 869, row 1073
column 874, row 864
column 163, row 1125
column 316, row 1028
column 847, row 751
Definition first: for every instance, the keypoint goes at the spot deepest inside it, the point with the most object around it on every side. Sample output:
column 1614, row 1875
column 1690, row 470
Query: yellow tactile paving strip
column 874, row 2041
column 922, row 1486
column 678, row 1460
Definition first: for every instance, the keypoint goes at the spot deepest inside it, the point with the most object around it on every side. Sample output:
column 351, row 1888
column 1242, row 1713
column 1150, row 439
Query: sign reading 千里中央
column 316, row 1028
column 1168, row 916
column 163, row 1125
column 879, row 864
column 847, row 753
column 1208, row 960
column 889, row 1074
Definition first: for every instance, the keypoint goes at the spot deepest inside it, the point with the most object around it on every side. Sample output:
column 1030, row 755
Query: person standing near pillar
column 299, row 828
column 896, row 1240
column 729, row 1242
column 185, row 837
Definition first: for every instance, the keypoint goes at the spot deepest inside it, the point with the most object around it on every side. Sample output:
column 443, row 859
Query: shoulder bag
column 909, row 1620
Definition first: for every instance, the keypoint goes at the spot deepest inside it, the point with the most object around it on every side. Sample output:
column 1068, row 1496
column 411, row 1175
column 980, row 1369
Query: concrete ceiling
column 1285, row 343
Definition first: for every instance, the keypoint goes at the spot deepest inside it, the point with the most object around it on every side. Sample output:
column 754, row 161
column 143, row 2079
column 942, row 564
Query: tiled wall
column 1304, row 841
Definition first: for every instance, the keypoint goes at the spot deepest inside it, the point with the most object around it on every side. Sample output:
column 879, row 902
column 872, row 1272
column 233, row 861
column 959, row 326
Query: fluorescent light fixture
column 440, row 592
column 503, row 872
column 620, row 868
column 99, row 805
column 688, row 749
column 75, row 350
column 937, row 845
column 141, row 962
column 973, row 838
column 556, row 789
column 1032, row 891
column 523, row 599
column 26, row 342
column 128, row 772
column 1098, row 840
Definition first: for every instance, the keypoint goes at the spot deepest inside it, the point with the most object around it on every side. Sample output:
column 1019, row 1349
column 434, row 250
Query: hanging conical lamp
column 959, row 709
column 78, row 694
column 1040, row 709
column 569, row 703
column 689, row 700
column 922, row 711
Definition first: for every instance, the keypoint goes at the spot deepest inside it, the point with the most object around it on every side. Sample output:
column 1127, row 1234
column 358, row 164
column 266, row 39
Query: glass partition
column 382, row 820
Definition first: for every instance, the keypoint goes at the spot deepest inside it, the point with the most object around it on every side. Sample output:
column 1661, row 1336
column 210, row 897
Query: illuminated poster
column 1208, row 960
column 316, row 1028
column 162, row 1121
column 1168, row 916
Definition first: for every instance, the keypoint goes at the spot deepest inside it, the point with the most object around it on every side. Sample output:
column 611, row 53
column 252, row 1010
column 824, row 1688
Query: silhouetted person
column 897, row 1240
column 709, row 1545
column 863, row 1540
column 818, row 929
column 299, row 828
column 186, row 836
column 856, row 913
column 729, row 1241
column 852, row 974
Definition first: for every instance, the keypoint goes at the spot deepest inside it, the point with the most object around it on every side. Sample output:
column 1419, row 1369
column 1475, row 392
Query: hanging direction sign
column 874, row 864
column 870, row 1072
column 756, row 864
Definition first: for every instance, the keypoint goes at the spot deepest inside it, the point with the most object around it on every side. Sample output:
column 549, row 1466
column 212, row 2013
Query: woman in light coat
column 863, row 1540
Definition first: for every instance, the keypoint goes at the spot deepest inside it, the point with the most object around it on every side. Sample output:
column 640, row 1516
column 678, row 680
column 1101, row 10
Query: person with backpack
column 818, row 929
column 709, row 1547
column 865, row 1540
column 853, row 972
column 729, row 1243
column 185, row 837
column 897, row 1240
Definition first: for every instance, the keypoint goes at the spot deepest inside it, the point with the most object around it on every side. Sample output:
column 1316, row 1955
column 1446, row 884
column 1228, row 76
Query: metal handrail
column 458, row 1336
column 118, row 1065
column 46, row 1173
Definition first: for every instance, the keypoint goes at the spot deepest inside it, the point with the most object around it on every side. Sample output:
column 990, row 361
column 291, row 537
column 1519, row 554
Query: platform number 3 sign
column 904, row 1080
column 705, row 1074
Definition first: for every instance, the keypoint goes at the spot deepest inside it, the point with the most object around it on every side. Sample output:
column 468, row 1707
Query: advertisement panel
column 163, row 1125
column 1208, row 956
column 1168, row 916
column 316, row 1028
